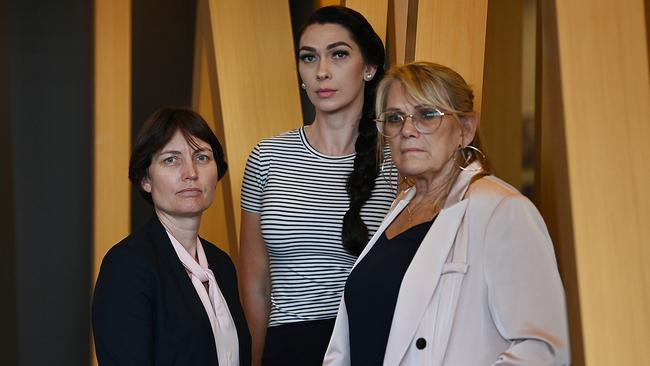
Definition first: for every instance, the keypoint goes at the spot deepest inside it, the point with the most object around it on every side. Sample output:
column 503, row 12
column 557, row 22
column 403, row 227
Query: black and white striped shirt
column 301, row 197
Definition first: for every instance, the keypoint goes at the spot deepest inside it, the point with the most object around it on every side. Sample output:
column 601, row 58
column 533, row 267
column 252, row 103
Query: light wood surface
column 322, row 3
column 217, row 223
column 375, row 11
column 452, row 33
column 402, row 22
column 112, row 127
column 605, row 89
column 551, row 175
column 501, row 116
column 254, row 93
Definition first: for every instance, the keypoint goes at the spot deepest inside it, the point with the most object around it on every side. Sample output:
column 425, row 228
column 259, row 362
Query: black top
column 371, row 293
column 146, row 311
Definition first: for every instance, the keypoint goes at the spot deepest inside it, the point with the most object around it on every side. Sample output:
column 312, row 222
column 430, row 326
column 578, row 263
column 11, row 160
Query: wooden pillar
column 501, row 116
column 249, row 63
column 595, row 169
column 375, row 11
column 452, row 33
column 112, row 126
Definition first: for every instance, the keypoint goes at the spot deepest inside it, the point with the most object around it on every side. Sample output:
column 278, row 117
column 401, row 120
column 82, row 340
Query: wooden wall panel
column 376, row 11
column 255, row 91
column 501, row 117
column 603, row 63
column 217, row 224
column 401, row 31
column 551, row 175
column 452, row 33
column 112, row 127
column 322, row 3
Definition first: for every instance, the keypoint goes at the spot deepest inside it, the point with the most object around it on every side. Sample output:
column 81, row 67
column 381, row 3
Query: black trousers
column 299, row 344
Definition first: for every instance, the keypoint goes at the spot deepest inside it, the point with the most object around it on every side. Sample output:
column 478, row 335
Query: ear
column 370, row 69
column 469, row 124
column 145, row 183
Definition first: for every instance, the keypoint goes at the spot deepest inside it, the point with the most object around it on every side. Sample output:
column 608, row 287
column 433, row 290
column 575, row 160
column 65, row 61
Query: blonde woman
column 462, row 270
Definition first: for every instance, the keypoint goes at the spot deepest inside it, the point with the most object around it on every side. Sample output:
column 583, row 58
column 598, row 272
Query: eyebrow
column 176, row 152
column 336, row 44
column 172, row 152
column 329, row 46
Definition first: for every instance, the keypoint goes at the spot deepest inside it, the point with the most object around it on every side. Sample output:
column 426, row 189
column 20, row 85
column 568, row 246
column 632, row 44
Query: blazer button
column 421, row 343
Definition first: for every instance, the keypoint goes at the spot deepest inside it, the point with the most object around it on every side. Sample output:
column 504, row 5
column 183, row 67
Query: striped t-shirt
column 301, row 197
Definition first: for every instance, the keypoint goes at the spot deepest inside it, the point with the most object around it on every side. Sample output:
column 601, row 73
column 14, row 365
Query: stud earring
column 368, row 77
column 303, row 86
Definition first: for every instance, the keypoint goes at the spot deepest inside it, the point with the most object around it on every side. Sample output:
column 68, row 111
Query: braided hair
column 361, row 181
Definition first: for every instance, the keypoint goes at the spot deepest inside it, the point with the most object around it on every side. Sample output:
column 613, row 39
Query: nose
column 190, row 172
column 323, row 71
column 408, row 127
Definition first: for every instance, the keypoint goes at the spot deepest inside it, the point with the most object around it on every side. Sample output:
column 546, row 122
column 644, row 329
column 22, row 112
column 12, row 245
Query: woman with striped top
column 312, row 197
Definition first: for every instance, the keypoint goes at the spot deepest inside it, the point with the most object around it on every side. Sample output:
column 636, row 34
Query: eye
column 307, row 57
column 203, row 158
column 170, row 160
column 427, row 114
column 393, row 117
column 338, row 54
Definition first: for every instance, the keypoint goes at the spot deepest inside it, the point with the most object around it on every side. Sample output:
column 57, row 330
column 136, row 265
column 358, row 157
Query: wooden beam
column 112, row 127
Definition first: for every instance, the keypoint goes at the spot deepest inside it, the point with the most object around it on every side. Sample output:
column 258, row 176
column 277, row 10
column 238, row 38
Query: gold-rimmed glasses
column 425, row 119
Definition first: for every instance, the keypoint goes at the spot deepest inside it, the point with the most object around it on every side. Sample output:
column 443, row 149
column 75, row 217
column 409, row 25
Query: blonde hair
column 439, row 86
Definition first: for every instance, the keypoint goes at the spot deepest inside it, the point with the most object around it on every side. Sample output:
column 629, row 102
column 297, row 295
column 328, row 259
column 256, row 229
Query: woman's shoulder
column 212, row 250
column 136, row 250
column 492, row 192
column 284, row 137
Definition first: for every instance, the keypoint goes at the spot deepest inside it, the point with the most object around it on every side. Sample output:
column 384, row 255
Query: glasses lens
column 427, row 119
column 390, row 123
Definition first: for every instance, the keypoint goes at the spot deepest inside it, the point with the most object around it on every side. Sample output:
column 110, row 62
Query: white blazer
column 482, row 289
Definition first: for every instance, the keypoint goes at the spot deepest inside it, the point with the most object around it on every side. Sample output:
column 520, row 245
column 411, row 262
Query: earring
column 303, row 86
column 368, row 77
column 467, row 152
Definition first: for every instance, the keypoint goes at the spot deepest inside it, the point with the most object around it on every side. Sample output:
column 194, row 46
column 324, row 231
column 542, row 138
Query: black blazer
column 146, row 311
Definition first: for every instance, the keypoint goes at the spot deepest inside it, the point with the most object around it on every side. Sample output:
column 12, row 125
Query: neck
column 184, row 229
column 434, row 187
column 335, row 133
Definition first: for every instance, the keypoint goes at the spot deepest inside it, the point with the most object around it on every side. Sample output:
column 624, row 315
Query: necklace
column 410, row 211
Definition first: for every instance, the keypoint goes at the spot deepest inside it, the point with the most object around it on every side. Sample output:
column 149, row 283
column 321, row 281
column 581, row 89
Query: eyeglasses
column 425, row 120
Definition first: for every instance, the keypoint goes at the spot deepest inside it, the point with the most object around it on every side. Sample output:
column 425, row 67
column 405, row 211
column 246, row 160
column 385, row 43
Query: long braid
column 361, row 181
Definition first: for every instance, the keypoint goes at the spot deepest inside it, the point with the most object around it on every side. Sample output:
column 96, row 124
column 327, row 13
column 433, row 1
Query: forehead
column 398, row 96
column 179, row 141
column 324, row 34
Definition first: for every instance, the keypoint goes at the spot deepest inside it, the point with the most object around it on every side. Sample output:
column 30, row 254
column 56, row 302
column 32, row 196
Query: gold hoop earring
column 466, row 153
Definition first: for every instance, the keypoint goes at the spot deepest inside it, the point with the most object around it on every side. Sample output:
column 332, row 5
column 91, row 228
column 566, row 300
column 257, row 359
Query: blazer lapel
column 421, row 279
column 180, row 277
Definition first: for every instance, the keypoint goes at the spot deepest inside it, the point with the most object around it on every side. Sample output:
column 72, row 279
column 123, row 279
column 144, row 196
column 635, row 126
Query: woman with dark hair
column 312, row 197
column 462, row 271
column 164, row 296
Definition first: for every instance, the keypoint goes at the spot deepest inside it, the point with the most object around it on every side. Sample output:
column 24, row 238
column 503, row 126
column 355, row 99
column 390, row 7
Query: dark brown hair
column 158, row 130
column 361, row 181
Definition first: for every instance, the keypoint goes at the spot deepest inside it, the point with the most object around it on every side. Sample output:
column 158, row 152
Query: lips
column 325, row 92
column 410, row 150
column 189, row 192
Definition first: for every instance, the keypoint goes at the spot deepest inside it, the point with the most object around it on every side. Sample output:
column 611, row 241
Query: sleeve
column 122, row 311
column 525, row 293
column 338, row 350
column 255, row 176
